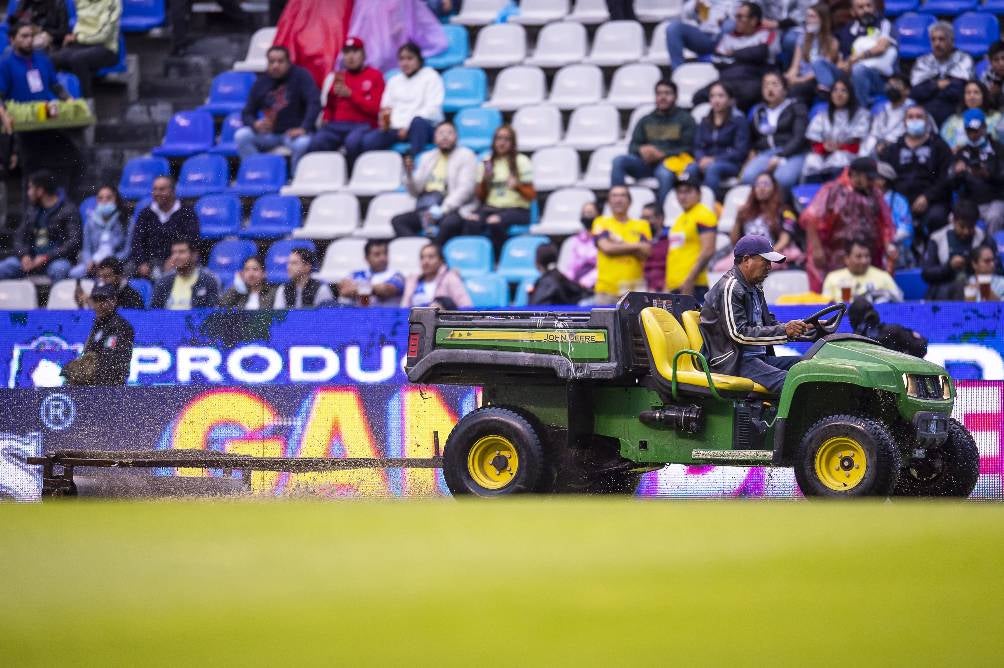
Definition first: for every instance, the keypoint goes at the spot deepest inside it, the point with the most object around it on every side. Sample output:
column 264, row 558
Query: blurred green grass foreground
column 520, row 582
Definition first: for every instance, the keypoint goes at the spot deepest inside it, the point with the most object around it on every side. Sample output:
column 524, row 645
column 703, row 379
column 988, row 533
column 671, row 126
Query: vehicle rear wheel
column 847, row 456
column 949, row 470
column 493, row 452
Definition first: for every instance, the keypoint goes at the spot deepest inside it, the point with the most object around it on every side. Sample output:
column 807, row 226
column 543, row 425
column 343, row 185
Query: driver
column 739, row 331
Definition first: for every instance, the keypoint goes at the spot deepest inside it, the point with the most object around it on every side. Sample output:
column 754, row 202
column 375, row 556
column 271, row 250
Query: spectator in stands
column 257, row 294
column 888, row 124
column 948, row 250
column 106, row 232
column 504, row 189
column 655, row 264
column 850, row 207
column 787, row 18
column 978, row 171
column 158, row 226
column 743, row 56
column 553, row 287
column 993, row 76
column 623, row 245
column 975, row 96
column 765, row 214
column 48, row 239
column 723, row 139
column 691, row 241
column 835, row 134
column 281, row 110
column 302, row 291
column 939, row 77
column 814, row 65
column 777, row 133
column 353, row 105
column 377, row 284
column 50, row 16
column 111, row 271
column 26, row 74
column 435, row 281
column 189, row 285
column 581, row 252
column 983, row 264
column 902, row 219
column 698, row 29
column 860, row 277
column 443, row 188
column 921, row 160
column 94, row 42
column 869, row 48
column 667, row 132
column 412, row 104
column 387, row 24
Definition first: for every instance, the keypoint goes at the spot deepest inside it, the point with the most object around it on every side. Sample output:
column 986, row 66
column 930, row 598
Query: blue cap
column 974, row 119
column 754, row 244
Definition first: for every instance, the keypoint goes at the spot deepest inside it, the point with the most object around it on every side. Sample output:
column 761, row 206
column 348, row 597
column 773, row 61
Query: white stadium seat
column 499, row 45
column 589, row 12
column 478, row 12
column 562, row 212
column 403, row 254
column 601, row 160
column 785, row 282
column 379, row 212
column 577, row 85
column 650, row 11
column 700, row 111
column 518, row 86
column 592, row 126
column 616, row 43
column 540, row 12
column 633, row 85
column 640, row 196
column 690, row 78
column 61, row 295
column 657, row 53
column 555, row 167
column 560, row 44
column 734, row 199
column 537, row 126
column 17, row 295
column 672, row 207
column 636, row 115
column 256, row 60
column 343, row 257
column 376, row 172
column 316, row 173
column 330, row 216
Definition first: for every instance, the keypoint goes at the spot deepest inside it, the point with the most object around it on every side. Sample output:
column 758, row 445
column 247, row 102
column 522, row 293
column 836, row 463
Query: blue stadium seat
column 119, row 67
column 999, row 239
column 488, row 290
column 911, row 34
column 87, row 206
column 260, row 174
column 803, row 194
column 144, row 288
column 981, row 67
column 188, row 133
column 228, row 92
column 140, row 205
column 518, row 260
column 894, row 8
column 975, row 32
column 142, row 15
column 219, row 216
column 469, row 256
column 948, row 7
column 70, row 82
column 522, row 296
column 911, row 283
column 817, row 108
column 877, row 105
column 465, row 87
column 475, row 127
column 993, row 6
column 457, row 49
column 273, row 216
column 138, row 175
column 225, row 144
column 203, row 174
column 278, row 255
column 228, row 256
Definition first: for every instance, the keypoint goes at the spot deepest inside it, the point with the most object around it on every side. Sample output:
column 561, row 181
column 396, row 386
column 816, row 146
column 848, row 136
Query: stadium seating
column 488, row 291
column 633, row 85
column 816, row 109
column 17, row 295
column 617, row 43
column 203, row 174
column 734, row 199
column 260, row 174
column 228, row 92
column 379, row 212
column 278, row 256
column 636, row 115
column 518, row 86
column 188, row 133
column 376, row 172
column 121, row 66
column 521, row 297
column 138, row 175
column 144, row 288
column 70, row 82
column 227, row 257
column 518, row 258
column 537, row 126
column 469, row 255
column 86, row 206
column 592, row 126
column 540, row 12
column 554, row 167
column 225, row 144
column 671, row 207
column 803, row 194
column 219, row 216
column 597, row 176
column 464, row 87
column 690, row 78
column 273, row 216
column 475, row 127
column 657, row 10
column 589, row 12
column 478, row 12
column 562, row 212
column 657, row 53
column 342, row 257
column 911, row 34
column 403, row 254
column 975, row 32
column 948, row 7
column 457, row 49
column 62, row 294
column 559, row 44
column 316, row 173
column 576, row 85
column 142, row 15
column 498, row 46
column 255, row 60
column 894, row 8
column 786, row 282
column 330, row 216
column 995, row 7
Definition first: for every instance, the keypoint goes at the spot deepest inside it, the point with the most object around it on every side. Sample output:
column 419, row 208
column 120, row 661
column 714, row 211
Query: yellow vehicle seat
column 665, row 337
column 692, row 325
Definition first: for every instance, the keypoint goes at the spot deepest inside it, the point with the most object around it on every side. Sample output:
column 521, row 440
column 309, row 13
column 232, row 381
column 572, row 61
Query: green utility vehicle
column 588, row 401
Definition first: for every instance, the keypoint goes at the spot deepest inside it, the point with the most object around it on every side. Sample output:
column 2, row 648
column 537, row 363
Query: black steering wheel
column 820, row 327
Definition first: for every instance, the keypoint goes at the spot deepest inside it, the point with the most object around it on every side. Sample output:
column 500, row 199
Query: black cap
column 104, row 291
column 688, row 178
column 865, row 166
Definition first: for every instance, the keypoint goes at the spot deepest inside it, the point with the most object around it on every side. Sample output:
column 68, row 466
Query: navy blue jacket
column 729, row 143
column 293, row 102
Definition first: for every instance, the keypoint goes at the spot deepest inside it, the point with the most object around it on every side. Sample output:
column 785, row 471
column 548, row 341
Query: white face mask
column 812, row 28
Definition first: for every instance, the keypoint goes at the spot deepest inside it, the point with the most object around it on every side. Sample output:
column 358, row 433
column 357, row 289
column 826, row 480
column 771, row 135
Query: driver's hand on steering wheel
column 795, row 328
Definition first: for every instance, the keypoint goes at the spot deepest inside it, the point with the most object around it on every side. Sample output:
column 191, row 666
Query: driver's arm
column 738, row 326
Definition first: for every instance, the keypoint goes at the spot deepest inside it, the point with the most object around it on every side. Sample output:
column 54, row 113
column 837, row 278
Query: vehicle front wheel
column 493, row 452
column 847, row 456
column 951, row 469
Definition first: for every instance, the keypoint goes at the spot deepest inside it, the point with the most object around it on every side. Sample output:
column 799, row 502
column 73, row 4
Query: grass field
column 545, row 582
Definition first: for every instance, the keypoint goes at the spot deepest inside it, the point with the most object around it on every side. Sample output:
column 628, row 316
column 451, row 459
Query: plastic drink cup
column 983, row 281
column 846, row 292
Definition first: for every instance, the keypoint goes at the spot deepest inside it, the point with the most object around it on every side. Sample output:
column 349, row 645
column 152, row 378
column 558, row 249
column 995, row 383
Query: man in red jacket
column 353, row 103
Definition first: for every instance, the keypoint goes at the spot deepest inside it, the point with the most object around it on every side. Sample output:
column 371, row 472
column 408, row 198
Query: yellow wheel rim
column 841, row 463
column 493, row 462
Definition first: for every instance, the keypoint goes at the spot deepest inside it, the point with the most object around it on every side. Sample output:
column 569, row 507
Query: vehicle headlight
column 927, row 387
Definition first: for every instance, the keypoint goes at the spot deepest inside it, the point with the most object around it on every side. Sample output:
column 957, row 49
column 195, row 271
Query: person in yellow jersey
column 623, row 244
column 691, row 240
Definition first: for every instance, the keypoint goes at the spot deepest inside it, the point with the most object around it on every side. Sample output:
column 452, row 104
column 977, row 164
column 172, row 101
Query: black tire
column 948, row 471
column 481, row 430
column 828, row 462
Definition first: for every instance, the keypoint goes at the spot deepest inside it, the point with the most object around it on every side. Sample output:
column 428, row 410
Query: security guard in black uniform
column 108, row 351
